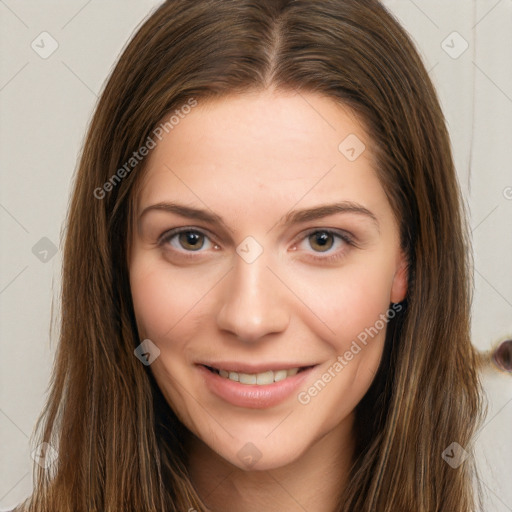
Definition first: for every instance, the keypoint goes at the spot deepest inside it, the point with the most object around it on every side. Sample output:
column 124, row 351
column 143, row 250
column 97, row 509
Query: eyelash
column 166, row 237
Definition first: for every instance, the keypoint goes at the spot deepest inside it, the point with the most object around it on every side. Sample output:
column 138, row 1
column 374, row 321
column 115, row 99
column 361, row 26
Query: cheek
column 169, row 307
column 354, row 304
column 348, row 301
column 164, row 301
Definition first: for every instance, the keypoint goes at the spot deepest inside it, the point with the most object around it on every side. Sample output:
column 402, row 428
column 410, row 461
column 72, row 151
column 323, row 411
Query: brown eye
column 191, row 240
column 187, row 240
column 321, row 241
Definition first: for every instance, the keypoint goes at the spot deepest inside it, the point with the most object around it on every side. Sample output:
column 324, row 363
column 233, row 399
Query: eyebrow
column 292, row 217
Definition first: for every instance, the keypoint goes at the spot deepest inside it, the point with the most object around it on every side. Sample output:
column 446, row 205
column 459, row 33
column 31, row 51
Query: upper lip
column 240, row 367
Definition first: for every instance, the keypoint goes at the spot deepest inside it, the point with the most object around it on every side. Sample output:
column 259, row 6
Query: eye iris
column 191, row 240
column 321, row 241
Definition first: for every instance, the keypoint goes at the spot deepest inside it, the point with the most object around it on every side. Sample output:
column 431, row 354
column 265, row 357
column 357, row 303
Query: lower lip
column 253, row 396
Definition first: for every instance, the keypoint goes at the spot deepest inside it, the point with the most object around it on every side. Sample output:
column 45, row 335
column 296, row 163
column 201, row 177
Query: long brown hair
column 120, row 446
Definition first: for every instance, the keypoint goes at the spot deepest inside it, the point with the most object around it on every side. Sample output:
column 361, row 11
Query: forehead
column 252, row 151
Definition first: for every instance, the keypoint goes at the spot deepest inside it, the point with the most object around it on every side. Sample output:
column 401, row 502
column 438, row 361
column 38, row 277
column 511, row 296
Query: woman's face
column 273, row 249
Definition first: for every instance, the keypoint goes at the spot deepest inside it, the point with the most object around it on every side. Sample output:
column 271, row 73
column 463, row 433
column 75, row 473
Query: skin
column 251, row 159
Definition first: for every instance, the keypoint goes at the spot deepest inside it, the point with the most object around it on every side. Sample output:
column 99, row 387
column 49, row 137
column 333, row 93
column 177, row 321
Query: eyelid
column 167, row 235
column 341, row 233
column 328, row 256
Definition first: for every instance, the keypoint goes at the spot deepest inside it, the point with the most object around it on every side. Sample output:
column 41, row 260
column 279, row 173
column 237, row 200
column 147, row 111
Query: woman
column 265, row 279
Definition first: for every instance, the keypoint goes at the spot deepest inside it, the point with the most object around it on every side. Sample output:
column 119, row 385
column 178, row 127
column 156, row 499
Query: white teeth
column 280, row 375
column 260, row 379
column 247, row 378
column 265, row 378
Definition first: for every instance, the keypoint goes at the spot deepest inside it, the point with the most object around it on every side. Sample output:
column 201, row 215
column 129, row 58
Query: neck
column 314, row 481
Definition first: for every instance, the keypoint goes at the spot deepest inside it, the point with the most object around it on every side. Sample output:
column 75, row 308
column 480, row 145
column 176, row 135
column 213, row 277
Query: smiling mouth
column 259, row 379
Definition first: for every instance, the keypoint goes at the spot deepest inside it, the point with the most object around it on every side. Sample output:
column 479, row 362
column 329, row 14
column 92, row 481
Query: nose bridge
column 253, row 304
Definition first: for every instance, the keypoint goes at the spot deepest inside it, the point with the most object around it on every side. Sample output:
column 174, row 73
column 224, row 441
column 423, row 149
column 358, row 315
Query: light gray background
column 46, row 105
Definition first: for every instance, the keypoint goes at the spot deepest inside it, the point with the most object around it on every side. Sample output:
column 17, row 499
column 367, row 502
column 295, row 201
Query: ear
column 399, row 285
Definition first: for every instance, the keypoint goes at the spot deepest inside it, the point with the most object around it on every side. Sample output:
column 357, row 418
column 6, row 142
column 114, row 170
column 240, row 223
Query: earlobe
column 399, row 286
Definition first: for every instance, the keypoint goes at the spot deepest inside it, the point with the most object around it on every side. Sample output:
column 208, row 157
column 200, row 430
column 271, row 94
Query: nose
column 253, row 302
